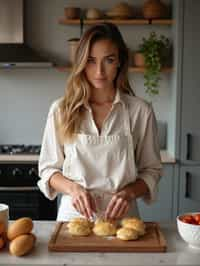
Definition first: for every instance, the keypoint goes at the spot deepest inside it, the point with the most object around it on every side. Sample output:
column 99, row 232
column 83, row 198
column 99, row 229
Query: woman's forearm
column 137, row 189
column 60, row 183
column 140, row 188
column 81, row 198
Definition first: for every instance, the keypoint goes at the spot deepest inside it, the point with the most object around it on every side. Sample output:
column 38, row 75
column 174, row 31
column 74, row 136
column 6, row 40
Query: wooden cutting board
column 152, row 241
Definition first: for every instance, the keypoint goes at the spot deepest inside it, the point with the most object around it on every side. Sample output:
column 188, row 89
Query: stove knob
column 32, row 172
column 17, row 172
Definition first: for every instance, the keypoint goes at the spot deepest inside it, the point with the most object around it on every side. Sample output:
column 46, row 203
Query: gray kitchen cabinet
column 189, row 196
column 162, row 208
column 189, row 126
column 190, row 87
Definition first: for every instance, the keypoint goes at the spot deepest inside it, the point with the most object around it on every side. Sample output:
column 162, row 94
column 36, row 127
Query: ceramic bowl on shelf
column 154, row 9
column 93, row 13
column 121, row 10
column 188, row 225
column 72, row 12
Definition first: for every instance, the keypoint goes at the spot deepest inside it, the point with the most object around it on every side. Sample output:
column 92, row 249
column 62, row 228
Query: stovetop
column 19, row 149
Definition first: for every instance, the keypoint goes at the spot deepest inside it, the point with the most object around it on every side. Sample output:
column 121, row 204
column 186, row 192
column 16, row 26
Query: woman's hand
column 82, row 200
column 118, row 205
column 121, row 201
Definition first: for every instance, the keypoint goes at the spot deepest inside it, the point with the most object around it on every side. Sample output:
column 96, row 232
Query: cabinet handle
column 188, row 146
column 188, row 178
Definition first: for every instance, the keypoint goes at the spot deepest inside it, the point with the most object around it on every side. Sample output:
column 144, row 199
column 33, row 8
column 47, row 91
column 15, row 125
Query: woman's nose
column 99, row 69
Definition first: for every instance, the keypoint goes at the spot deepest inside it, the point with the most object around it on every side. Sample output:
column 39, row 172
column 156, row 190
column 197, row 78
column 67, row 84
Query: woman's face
column 102, row 64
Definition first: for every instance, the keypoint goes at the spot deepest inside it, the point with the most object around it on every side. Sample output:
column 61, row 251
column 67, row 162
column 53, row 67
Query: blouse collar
column 118, row 99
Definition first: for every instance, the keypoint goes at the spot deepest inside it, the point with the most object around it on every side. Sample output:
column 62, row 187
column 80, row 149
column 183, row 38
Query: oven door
column 29, row 202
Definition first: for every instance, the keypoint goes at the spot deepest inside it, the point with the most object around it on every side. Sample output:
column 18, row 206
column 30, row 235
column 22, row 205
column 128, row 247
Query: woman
column 100, row 146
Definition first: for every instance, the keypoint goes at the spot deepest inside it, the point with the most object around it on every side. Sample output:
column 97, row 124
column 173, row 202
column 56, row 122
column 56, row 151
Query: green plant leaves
column 153, row 48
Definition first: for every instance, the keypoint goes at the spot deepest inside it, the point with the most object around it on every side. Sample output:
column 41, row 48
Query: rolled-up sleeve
column 52, row 154
column 147, row 154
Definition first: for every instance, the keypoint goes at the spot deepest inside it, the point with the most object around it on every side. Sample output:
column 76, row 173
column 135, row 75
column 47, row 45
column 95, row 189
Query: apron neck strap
column 127, row 123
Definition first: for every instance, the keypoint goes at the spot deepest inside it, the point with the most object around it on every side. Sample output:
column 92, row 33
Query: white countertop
column 178, row 253
column 166, row 157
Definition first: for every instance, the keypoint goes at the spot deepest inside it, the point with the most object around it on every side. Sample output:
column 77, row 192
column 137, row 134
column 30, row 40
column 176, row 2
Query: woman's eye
column 110, row 60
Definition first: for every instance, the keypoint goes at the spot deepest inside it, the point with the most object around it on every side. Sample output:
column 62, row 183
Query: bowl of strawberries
column 189, row 228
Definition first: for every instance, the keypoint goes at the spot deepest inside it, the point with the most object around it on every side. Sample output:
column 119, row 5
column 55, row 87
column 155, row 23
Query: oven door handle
column 32, row 188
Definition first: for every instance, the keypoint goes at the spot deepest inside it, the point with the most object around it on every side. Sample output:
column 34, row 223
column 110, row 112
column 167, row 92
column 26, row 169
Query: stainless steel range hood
column 13, row 49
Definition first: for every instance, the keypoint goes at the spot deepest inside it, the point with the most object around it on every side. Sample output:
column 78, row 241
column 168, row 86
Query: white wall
column 25, row 95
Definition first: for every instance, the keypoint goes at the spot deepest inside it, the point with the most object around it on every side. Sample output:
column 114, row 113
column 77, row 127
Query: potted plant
column 155, row 50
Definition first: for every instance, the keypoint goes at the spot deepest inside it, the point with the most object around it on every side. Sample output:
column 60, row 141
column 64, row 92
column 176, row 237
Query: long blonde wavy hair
column 77, row 92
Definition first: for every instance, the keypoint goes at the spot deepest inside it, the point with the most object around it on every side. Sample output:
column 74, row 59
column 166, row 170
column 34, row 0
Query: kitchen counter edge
column 166, row 158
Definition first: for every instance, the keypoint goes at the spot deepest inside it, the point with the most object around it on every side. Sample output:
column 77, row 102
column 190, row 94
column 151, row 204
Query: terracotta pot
column 72, row 46
column 154, row 9
column 138, row 59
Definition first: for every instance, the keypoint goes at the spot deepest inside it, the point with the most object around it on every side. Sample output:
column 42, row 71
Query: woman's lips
column 102, row 79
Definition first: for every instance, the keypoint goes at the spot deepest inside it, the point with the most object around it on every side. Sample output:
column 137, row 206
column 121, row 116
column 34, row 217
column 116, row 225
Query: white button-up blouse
column 143, row 130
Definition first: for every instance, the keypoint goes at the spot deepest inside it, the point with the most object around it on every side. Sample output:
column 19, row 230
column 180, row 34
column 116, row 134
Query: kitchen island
column 178, row 253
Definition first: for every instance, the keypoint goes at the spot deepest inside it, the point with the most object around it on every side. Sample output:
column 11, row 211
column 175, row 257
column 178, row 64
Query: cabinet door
column 190, row 106
column 189, row 196
column 162, row 209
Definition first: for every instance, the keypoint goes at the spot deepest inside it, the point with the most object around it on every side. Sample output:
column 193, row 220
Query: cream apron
column 101, row 164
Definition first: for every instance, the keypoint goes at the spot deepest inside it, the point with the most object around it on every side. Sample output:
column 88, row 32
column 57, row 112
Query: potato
column 1, row 242
column 19, row 227
column 4, row 236
column 22, row 244
column 2, row 228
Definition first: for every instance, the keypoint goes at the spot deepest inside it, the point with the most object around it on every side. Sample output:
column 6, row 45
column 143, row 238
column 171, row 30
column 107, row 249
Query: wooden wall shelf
column 142, row 69
column 162, row 21
column 64, row 21
column 131, row 69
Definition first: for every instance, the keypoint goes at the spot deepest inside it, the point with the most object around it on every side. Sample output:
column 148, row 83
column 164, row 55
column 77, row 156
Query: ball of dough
column 111, row 221
column 79, row 229
column 134, row 223
column 103, row 228
column 127, row 234
column 81, row 221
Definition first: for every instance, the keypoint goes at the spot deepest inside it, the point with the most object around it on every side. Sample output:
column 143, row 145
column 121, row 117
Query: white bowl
column 190, row 233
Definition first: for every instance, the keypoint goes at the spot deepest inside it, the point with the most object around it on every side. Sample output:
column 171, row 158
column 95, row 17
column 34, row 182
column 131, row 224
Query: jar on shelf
column 138, row 59
column 72, row 46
